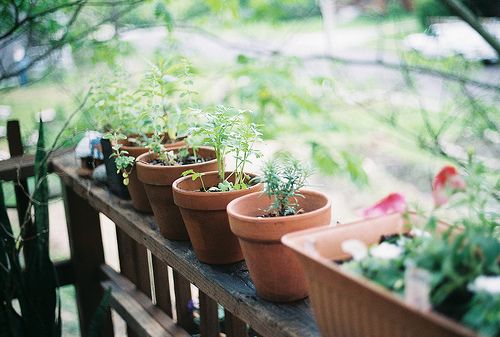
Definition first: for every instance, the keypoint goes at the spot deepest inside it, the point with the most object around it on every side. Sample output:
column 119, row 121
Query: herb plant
column 227, row 131
column 124, row 163
column 150, row 116
column 283, row 178
column 167, row 93
column 114, row 106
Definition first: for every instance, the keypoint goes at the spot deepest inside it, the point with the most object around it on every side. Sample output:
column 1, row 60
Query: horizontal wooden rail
column 22, row 167
column 141, row 315
column 229, row 285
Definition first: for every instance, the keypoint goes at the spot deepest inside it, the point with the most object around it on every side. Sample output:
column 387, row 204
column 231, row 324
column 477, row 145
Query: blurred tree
column 35, row 32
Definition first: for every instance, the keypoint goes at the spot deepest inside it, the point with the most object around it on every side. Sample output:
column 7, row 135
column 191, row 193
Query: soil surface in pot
column 182, row 161
column 275, row 214
column 216, row 189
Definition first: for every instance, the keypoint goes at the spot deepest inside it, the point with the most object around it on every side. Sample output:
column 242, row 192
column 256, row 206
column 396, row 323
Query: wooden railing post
column 20, row 186
column 162, row 286
column 87, row 255
column 209, row 318
column 234, row 326
column 182, row 289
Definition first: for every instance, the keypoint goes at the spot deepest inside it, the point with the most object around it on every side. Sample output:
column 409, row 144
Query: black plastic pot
column 115, row 180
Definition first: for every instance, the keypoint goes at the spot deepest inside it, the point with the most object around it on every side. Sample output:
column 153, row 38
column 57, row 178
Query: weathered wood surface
column 148, row 310
column 161, row 284
column 209, row 319
column 182, row 291
column 234, row 326
column 129, row 308
column 87, row 255
column 229, row 285
column 20, row 167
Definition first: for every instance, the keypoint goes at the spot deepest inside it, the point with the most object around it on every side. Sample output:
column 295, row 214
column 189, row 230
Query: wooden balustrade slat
column 183, row 301
column 162, row 285
column 234, row 326
column 230, row 284
column 209, row 319
column 126, row 255
column 87, row 255
column 142, row 269
column 126, row 252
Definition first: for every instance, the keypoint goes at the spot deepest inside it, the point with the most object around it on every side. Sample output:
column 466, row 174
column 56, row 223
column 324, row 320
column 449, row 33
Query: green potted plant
column 157, row 114
column 259, row 220
column 112, row 107
column 202, row 198
column 404, row 274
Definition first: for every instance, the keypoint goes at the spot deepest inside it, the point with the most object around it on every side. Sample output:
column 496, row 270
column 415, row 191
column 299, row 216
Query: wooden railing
column 141, row 290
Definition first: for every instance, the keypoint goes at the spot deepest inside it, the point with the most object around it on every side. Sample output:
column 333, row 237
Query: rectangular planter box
column 347, row 305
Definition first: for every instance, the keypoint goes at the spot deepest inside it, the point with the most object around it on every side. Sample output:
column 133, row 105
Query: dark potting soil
column 216, row 189
column 274, row 214
column 182, row 161
column 393, row 238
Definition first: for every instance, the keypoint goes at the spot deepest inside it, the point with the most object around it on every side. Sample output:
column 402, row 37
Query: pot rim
column 177, row 189
column 231, row 212
column 140, row 162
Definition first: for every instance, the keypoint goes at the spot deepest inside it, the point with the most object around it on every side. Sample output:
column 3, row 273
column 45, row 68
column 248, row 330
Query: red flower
column 393, row 203
column 446, row 182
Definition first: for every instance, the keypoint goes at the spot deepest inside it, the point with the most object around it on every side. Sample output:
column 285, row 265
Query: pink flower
column 393, row 203
column 446, row 182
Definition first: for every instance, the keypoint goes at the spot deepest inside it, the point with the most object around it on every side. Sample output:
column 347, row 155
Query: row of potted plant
column 400, row 273
column 173, row 161
column 175, row 166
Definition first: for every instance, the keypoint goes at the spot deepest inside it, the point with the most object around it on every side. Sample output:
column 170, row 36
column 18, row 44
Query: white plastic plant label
column 417, row 287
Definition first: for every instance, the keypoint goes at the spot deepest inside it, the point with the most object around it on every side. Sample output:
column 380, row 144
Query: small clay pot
column 204, row 214
column 158, row 181
column 135, row 187
column 274, row 269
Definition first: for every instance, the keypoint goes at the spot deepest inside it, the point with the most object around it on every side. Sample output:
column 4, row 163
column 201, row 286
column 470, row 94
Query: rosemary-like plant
column 283, row 177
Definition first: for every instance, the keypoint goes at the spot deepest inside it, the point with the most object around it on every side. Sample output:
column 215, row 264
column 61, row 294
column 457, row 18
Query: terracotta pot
column 205, row 216
column 348, row 305
column 158, row 185
column 274, row 269
column 135, row 187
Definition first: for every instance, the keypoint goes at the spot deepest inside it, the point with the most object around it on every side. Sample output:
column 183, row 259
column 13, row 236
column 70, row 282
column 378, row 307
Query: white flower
column 419, row 232
column 489, row 284
column 386, row 251
column 356, row 248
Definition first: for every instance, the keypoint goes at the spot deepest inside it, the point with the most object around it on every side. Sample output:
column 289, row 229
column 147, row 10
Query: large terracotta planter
column 274, row 269
column 135, row 187
column 158, row 181
column 348, row 305
column 205, row 216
